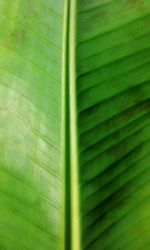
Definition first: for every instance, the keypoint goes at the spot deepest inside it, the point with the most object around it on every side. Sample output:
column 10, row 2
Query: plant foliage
column 74, row 125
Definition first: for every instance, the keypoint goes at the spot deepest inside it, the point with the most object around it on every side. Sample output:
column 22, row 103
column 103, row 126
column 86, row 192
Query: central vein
column 72, row 232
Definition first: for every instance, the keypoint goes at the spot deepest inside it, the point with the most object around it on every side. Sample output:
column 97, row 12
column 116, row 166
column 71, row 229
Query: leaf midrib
column 70, row 157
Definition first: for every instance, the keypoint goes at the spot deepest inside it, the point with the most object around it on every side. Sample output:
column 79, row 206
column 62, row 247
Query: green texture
column 75, row 125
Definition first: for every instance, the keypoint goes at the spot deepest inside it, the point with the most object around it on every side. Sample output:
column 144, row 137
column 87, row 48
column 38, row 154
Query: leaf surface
column 113, row 92
column 74, row 125
column 32, row 176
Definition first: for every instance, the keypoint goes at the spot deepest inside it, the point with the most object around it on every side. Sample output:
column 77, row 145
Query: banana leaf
column 74, row 125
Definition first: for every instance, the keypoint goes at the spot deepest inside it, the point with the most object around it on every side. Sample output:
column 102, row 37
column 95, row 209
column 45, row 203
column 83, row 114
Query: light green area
column 31, row 178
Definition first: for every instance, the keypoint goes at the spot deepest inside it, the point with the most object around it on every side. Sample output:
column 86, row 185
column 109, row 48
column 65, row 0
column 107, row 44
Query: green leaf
column 74, row 125
column 32, row 176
